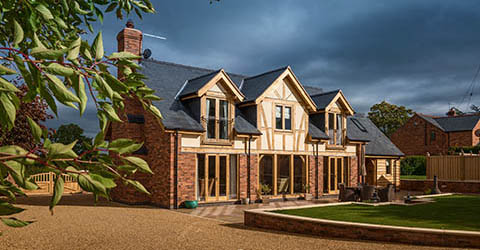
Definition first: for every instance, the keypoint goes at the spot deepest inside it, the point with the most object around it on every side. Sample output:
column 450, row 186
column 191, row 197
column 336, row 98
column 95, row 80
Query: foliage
column 413, row 165
column 413, row 177
column 265, row 189
column 69, row 133
column 35, row 109
column 41, row 42
column 389, row 117
column 470, row 150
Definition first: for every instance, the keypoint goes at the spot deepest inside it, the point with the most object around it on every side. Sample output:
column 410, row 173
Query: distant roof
column 454, row 123
column 323, row 99
column 313, row 90
column 254, row 86
column 363, row 129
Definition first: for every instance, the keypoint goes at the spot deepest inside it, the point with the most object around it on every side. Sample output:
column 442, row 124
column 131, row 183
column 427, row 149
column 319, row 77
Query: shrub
column 413, row 165
column 457, row 150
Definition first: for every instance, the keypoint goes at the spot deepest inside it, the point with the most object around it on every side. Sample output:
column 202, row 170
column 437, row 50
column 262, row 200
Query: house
column 424, row 134
column 223, row 135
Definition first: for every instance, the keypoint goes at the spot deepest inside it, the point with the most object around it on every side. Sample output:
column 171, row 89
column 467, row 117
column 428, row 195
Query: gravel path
column 77, row 224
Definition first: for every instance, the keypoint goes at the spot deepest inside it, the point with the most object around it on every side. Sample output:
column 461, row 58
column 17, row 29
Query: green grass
column 413, row 177
column 456, row 212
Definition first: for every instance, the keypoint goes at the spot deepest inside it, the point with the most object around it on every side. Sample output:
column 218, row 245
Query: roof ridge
column 265, row 73
column 458, row 116
column 205, row 75
column 190, row 67
column 326, row 93
column 429, row 116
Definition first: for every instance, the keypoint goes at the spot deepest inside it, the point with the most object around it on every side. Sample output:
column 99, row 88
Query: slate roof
column 242, row 126
column 453, row 124
column 323, row 99
column 313, row 90
column 316, row 133
column 254, row 86
column 195, row 84
column 363, row 129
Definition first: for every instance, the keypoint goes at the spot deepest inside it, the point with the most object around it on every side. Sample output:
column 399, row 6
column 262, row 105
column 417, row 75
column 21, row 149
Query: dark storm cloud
column 421, row 54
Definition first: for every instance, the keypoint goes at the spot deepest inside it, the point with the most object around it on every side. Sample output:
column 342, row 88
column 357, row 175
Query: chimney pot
column 452, row 112
column 130, row 24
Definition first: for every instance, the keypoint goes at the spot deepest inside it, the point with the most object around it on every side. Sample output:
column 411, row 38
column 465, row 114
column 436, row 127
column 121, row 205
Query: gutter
column 175, row 171
column 316, row 171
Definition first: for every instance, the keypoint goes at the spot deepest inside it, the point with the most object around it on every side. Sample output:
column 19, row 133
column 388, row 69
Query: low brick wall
column 262, row 218
column 445, row 186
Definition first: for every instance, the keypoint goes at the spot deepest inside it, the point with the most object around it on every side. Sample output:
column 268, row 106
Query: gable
column 333, row 101
column 216, row 82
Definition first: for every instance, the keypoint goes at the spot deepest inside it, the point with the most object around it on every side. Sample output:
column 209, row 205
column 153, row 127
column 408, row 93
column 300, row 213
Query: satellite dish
column 147, row 53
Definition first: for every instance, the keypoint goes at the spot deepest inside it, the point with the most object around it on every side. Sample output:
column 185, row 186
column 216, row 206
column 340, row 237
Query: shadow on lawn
column 75, row 200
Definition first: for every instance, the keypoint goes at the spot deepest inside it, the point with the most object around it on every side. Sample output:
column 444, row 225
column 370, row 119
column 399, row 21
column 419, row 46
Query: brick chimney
column 452, row 112
column 130, row 39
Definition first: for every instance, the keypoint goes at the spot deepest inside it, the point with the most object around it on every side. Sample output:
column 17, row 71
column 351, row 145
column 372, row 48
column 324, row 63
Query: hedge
column 473, row 149
column 413, row 165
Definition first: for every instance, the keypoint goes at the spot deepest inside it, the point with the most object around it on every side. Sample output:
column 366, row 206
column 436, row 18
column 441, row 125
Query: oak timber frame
column 214, row 188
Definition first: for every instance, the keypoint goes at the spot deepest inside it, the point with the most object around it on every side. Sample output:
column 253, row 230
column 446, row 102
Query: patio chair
column 367, row 192
column 386, row 194
column 345, row 194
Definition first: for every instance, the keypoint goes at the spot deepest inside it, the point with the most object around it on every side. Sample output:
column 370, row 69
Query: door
column 216, row 176
column 335, row 174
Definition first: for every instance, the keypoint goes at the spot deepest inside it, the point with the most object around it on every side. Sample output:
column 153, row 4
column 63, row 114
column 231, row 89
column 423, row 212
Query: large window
column 283, row 117
column 335, row 128
column 284, row 174
column 217, row 119
column 266, row 172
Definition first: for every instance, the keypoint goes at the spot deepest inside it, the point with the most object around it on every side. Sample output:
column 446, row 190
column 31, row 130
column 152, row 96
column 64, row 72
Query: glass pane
column 278, row 117
column 283, row 174
column 388, row 165
column 233, row 177
column 339, row 129
column 325, row 175
column 339, row 171
column 288, row 118
column 331, row 127
column 266, row 172
column 223, row 176
column 211, row 176
column 210, row 118
column 345, row 171
column 201, row 177
column 223, row 123
column 332, row 174
column 300, row 175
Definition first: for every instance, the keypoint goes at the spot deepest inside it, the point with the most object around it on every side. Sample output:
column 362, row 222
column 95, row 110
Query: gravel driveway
column 78, row 224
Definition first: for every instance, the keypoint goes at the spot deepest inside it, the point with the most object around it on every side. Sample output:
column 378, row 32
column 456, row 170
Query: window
column 388, row 166
column 432, row 136
column 335, row 129
column 217, row 119
column 283, row 117
column 132, row 118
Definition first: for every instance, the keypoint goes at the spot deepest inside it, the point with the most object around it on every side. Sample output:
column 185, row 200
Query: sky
column 420, row 54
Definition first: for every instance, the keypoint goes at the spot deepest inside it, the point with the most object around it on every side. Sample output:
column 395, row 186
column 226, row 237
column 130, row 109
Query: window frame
column 284, row 108
column 230, row 115
column 388, row 166
column 334, row 137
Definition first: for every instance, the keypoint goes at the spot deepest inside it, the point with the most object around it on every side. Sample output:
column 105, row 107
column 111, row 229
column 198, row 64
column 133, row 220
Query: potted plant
column 308, row 196
column 265, row 190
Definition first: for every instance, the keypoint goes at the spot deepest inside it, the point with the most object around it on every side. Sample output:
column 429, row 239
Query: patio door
column 335, row 173
column 216, row 176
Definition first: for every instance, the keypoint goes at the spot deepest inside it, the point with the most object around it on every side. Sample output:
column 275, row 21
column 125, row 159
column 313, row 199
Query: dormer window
column 217, row 118
column 283, row 117
column 336, row 128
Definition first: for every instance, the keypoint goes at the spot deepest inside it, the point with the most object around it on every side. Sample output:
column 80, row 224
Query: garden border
column 264, row 218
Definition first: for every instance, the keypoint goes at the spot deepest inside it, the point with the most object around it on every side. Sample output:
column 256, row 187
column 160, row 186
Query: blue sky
column 421, row 54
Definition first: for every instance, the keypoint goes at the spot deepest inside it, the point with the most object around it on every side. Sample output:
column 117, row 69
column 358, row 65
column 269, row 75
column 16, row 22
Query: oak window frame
column 333, row 133
column 283, row 117
column 216, row 140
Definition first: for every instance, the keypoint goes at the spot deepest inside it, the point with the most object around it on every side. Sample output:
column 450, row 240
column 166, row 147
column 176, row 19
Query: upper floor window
column 217, row 119
column 335, row 128
column 432, row 136
column 283, row 117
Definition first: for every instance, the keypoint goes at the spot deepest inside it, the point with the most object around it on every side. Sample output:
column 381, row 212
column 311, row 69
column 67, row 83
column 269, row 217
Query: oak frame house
column 224, row 135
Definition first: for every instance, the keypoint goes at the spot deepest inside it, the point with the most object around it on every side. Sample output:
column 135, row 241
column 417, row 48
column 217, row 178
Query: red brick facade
column 353, row 175
column 316, row 176
column 415, row 138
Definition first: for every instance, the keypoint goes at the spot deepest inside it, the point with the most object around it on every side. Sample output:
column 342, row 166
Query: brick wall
column 414, row 138
column 461, row 139
column 445, row 186
column 316, row 181
column 244, row 176
column 353, row 171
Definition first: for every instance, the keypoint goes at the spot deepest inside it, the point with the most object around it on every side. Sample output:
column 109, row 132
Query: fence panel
column 46, row 181
column 454, row 167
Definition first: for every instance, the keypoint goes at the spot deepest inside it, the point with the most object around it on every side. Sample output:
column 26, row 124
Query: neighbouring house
column 424, row 134
column 223, row 135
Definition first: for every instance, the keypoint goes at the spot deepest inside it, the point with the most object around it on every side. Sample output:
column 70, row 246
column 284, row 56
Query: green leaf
column 98, row 46
column 74, row 49
column 123, row 55
column 57, row 192
column 122, row 146
column 43, row 53
column 61, row 23
column 58, row 69
column 8, row 107
column 6, row 71
column 17, row 33
column 111, row 7
column 59, row 149
column 152, row 97
column 140, row 163
column 13, row 222
column 106, row 182
column 138, row 186
column 60, row 91
column 99, row 138
column 7, row 86
column 90, row 185
column 8, row 209
column 36, row 130
column 13, row 150
column 17, row 171
column 127, row 168
column 116, row 84
column 155, row 111
column 44, row 11
column 79, row 10
column 105, row 87
column 111, row 112
column 79, row 86
column 37, row 42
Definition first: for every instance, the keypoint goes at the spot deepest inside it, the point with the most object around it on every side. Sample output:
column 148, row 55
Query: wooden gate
column 46, row 181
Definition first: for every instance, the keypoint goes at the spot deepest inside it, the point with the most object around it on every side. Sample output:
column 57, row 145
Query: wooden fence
column 46, row 181
column 454, row 167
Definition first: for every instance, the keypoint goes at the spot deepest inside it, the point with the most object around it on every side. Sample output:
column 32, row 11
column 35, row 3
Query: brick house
column 435, row 135
column 223, row 135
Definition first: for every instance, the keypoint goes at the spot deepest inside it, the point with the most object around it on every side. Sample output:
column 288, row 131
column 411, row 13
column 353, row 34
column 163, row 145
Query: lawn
column 456, row 212
column 413, row 177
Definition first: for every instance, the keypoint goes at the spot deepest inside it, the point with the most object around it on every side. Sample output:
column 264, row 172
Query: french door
column 215, row 172
column 336, row 173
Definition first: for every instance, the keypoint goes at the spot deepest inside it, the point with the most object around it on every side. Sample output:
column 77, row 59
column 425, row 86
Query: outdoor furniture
column 386, row 194
column 367, row 192
column 346, row 193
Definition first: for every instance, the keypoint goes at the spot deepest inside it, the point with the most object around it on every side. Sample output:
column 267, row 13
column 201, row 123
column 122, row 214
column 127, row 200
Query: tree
column 475, row 108
column 69, row 133
column 389, row 117
column 42, row 42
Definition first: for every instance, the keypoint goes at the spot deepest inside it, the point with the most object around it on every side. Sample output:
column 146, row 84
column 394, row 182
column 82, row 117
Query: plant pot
column 245, row 201
column 191, row 204
column 308, row 197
